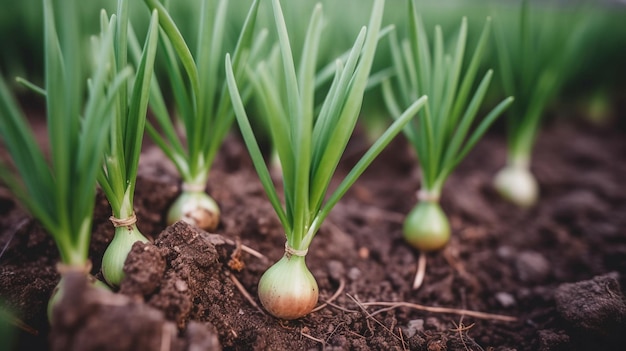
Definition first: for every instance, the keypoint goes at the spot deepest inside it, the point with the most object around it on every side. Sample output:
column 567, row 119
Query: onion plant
column 61, row 194
column 118, row 176
column 536, row 50
column 202, row 103
column 441, row 134
column 309, row 144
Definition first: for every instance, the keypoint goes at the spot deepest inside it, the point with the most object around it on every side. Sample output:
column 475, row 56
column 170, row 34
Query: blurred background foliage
column 596, row 82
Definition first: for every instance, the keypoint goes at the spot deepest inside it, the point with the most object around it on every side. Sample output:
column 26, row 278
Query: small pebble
column 505, row 299
column 414, row 326
column 505, row 252
column 364, row 253
column 336, row 270
column 354, row 273
column 532, row 267
column 181, row 285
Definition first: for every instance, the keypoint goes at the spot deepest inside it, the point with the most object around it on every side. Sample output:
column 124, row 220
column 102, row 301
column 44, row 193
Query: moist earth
column 558, row 268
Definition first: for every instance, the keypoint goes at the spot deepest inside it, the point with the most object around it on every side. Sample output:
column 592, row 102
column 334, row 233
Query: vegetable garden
column 341, row 175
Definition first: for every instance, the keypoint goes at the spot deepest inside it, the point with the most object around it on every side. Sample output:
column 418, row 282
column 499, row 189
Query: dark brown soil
column 557, row 268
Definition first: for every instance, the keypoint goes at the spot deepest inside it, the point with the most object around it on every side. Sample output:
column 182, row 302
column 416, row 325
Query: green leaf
column 312, row 146
column 34, row 88
column 446, row 119
column 331, row 109
column 253, row 146
column 366, row 160
column 466, row 122
column 349, row 107
column 470, row 75
column 478, row 133
column 62, row 126
column 61, row 196
column 178, row 43
column 36, row 178
column 248, row 46
column 138, row 104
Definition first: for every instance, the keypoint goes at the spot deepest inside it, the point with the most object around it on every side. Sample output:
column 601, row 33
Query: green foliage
column 539, row 46
column 441, row 134
column 61, row 195
column 309, row 144
column 198, row 88
column 119, row 173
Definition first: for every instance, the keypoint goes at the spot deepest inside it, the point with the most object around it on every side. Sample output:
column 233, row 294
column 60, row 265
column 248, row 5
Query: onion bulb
column 117, row 251
column 517, row 184
column 426, row 227
column 196, row 208
column 287, row 289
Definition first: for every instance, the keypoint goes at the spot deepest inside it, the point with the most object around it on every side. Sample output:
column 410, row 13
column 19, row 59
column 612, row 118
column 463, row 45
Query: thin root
column 12, row 233
column 312, row 338
column 462, row 327
column 245, row 293
column 340, row 307
column 421, row 271
column 369, row 316
column 25, row 327
column 253, row 252
column 457, row 311
column 245, row 248
column 342, row 285
column 402, row 339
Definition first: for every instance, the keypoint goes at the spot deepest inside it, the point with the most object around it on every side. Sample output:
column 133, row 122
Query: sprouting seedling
column 309, row 146
column 61, row 196
column 535, row 55
column 119, row 174
column 202, row 102
column 440, row 135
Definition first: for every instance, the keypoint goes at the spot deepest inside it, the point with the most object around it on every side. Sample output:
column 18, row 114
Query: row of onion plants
column 309, row 111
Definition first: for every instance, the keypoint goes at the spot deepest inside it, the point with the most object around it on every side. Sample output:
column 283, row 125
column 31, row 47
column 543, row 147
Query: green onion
column 118, row 176
column 309, row 146
column 441, row 134
column 202, row 103
column 61, row 196
column 536, row 53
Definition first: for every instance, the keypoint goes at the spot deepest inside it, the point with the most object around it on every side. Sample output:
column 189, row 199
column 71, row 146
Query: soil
column 558, row 269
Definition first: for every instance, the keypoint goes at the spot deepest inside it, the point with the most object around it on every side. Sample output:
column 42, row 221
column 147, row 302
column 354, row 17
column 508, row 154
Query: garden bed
column 501, row 260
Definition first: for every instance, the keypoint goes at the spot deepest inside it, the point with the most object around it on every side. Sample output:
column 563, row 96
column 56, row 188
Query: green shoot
column 61, row 196
column 441, row 134
column 118, row 176
column 536, row 53
column 309, row 145
column 202, row 103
